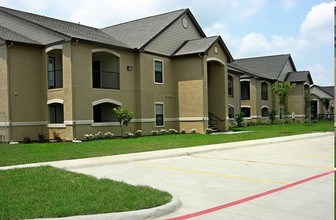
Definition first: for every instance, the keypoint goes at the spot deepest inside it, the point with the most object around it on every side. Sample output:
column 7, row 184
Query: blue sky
column 302, row 28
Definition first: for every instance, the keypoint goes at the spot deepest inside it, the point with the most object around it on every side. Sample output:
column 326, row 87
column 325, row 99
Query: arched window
column 264, row 112
column 245, row 90
column 56, row 113
column 264, row 91
column 230, row 86
column 246, row 111
column 231, row 112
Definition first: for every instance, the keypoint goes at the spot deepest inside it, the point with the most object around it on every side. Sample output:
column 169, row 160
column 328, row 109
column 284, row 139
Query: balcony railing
column 106, row 79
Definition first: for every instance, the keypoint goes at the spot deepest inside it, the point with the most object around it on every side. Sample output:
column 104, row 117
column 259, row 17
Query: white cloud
column 253, row 44
column 246, row 8
column 100, row 13
column 288, row 4
column 222, row 30
column 320, row 74
column 318, row 24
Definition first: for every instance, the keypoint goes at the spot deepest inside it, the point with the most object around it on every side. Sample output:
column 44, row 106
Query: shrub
column 164, row 131
column 86, row 137
column 108, row 135
column 98, row 135
column 183, row 131
column 155, row 132
column 41, row 137
column 57, row 136
column 208, row 131
column 138, row 133
column 239, row 118
column 193, row 131
column 129, row 134
column 173, row 131
column 26, row 139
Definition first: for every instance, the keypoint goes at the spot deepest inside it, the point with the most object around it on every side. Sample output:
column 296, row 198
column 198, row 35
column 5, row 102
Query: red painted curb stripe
column 237, row 202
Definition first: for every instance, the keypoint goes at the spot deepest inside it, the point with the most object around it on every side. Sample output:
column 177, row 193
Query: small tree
column 271, row 116
column 308, row 99
column 281, row 90
column 124, row 117
column 326, row 103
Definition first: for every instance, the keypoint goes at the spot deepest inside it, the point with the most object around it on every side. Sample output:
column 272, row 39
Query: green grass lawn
column 50, row 192
column 36, row 152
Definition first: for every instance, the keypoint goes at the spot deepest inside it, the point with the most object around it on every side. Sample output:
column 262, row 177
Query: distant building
column 319, row 93
column 257, row 76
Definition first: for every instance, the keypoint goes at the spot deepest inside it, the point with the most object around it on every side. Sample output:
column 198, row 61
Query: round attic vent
column 185, row 22
column 216, row 50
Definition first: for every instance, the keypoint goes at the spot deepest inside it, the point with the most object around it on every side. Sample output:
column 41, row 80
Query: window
column 231, row 112
column 246, row 111
column 230, row 86
column 51, row 72
column 158, row 71
column 159, row 114
column 264, row 91
column 245, row 90
column 54, row 69
column 264, row 112
column 105, row 71
column 104, row 113
column 56, row 115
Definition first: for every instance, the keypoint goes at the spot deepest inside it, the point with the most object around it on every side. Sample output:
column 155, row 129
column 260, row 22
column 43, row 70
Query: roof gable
column 64, row 28
column 299, row 77
column 139, row 33
column 322, row 91
column 196, row 46
column 202, row 46
column 269, row 67
column 327, row 90
column 6, row 34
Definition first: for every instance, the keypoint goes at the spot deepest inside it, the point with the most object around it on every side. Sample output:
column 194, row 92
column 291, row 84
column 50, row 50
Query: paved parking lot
column 281, row 178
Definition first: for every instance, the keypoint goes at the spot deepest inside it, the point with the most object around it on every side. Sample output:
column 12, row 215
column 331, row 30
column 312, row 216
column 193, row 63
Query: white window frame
column 157, row 60
column 163, row 113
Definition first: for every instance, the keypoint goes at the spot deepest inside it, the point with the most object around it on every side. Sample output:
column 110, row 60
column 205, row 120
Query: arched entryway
column 217, row 93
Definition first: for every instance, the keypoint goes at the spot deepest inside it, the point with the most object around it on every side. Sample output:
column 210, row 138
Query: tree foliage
column 326, row 103
column 281, row 90
column 124, row 116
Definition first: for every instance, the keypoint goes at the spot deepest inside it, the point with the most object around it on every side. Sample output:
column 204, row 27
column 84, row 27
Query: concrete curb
column 143, row 214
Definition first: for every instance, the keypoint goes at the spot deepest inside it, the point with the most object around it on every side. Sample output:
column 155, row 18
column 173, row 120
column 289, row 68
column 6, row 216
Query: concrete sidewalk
column 126, row 158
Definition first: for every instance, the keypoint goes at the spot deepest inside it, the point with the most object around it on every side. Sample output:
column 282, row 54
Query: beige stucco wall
column 295, row 103
column 27, row 91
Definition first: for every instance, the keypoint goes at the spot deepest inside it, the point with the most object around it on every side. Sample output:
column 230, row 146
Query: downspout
column 205, row 84
column 74, row 136
column 10, row 130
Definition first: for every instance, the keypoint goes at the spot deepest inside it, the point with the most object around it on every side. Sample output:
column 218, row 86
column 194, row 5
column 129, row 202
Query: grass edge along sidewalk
column 44, row 192
column 46, row 152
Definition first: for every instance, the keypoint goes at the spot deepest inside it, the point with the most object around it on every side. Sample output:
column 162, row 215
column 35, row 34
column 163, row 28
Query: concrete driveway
column 279, row 178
